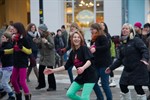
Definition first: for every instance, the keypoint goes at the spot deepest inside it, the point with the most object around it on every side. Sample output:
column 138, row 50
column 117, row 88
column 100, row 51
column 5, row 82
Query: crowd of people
column 20, row 48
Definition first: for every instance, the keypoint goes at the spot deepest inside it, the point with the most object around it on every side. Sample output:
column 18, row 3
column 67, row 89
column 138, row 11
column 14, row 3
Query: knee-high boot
column 141, row 97
column 27, row 96
column 125, row 96
column 18, row 96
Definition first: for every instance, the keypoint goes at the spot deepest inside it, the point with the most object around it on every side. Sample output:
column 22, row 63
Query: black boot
column 28, row 97
column 18, row 96
column 2, row 94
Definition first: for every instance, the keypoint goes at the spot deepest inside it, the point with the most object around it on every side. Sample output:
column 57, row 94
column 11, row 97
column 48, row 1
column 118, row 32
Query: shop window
column 68, row 12
column 83, row 12
column 99, row 11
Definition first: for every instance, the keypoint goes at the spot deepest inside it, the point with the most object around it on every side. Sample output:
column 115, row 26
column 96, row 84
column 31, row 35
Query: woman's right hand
column 107, row 71
column 92, row 49
column 48, row 71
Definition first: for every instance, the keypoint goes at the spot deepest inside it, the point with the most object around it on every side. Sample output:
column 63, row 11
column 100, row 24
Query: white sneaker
column 112, row 83
column 99, row 83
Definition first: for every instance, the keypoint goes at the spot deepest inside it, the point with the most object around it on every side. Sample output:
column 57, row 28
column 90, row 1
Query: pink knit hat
column 138, row 24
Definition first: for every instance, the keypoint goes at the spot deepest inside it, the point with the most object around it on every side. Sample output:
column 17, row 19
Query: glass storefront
column 83, row 12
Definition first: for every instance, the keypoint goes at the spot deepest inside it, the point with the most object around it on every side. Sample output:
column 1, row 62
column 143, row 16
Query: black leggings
column 138, row 88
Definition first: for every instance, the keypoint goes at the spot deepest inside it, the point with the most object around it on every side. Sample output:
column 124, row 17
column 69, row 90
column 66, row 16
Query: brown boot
column 18, row 96
column 27, row 96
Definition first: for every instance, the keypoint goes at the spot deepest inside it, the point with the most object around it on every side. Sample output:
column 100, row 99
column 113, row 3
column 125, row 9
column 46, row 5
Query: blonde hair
column 9, row 28
column 132, row 31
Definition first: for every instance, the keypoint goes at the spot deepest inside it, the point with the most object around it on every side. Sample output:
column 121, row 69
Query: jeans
column 19, row 74
column 65, row 57
column 1, row 73
column 105, row 85
column 70, row 74
column 5, row 79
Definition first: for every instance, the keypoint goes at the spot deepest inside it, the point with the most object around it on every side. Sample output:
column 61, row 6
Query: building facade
column 55, row 13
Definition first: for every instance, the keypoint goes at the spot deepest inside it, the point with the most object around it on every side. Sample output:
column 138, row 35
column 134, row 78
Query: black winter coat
column 135, row 72
column 7, row 59
column 102, row 56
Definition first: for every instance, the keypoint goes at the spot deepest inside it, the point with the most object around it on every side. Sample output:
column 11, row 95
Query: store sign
column 85, row 16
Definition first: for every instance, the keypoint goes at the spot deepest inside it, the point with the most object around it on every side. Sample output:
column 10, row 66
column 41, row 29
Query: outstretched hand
column 107, row 71
column 48, row 71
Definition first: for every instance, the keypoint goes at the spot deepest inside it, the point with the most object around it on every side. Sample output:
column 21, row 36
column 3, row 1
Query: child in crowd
column 7, row 64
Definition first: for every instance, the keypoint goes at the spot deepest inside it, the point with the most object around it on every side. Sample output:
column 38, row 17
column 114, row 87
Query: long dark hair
column 20, row 28
column 99, row 31
column 106, row 28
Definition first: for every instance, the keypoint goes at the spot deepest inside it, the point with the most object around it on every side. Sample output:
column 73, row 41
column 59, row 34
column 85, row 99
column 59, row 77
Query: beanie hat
column 43, row 27
column 138, row 24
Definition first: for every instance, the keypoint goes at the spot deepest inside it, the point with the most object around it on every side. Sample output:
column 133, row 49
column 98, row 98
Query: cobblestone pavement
column 62, row 83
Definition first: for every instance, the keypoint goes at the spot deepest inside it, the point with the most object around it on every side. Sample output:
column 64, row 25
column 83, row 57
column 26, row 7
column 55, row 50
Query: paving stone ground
column 62, row 83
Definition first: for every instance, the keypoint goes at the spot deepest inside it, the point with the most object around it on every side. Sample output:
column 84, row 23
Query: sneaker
column 99, row 83
column 112, row 83
column 11, row 98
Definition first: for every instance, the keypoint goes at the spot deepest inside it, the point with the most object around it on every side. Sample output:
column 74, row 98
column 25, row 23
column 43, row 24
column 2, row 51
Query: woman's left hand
column 145, row 62
column 80, row 70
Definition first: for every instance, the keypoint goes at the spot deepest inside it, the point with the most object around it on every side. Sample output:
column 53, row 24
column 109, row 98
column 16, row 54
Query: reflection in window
column 99, row 11
column 82, row 12
column 99, row 17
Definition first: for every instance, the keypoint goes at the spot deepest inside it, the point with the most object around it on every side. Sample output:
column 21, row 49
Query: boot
column 28, row 97
column 11, row 98
column 141, row 97
column 18, row 96
column 125, row 96
column 148, row 97
column 28, row 73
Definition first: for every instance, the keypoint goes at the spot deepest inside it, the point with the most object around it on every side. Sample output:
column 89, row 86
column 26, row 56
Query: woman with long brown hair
column 21, row 50
column 82, row 59
column 100, row 47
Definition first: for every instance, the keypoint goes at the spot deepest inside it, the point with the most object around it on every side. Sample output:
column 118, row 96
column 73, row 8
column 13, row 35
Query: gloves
column 63, row 50
column 16, row 37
